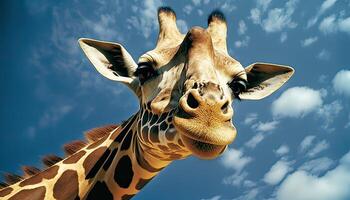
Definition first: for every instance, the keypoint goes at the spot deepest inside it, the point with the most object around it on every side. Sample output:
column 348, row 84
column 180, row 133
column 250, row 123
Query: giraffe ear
column 112, row 61
column 264, row 79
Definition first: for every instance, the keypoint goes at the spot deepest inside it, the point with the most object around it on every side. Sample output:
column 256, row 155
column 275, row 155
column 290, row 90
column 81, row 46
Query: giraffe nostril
column 224, row 107
column 195, row 86
column 191, row 101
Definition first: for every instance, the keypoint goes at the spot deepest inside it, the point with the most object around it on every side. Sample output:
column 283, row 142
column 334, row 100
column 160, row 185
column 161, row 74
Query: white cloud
column 49, row 118
column 255, row 140
column 249, row 183
column 279, row 19
column 297, row 102
column 324, row 55
column 283, row 37
column 242, row 43
column 187, row 9
column 331, row 24
column 255, row 16
column 306, row 143
column 325, row 6
column 319, row 147
column 216, row 197
column 341, row 82
column 182, row 25
column 329, row 112
column 277, row 172
column 282, row 150
column 250, row 118
column 146, row 20
column 317, row 166
column 263, row 4
column 235, row 179
column 234, row 159
column 309, row 41
column 228, row 7
column 328, row 25
column 266, row 126
column 53, row 115
column 104, row 27
column 196, row 2
column 242, row 27
column 304, row 186
column 344, row 25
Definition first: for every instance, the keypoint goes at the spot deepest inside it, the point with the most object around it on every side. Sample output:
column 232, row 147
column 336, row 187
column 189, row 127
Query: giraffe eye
column 145, row 71
column 238, row 86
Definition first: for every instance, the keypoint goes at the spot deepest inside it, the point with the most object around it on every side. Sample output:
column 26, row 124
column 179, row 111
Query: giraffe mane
column 49, row 160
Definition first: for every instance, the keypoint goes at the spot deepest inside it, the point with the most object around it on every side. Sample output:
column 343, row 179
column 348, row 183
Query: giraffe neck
column 117, row 166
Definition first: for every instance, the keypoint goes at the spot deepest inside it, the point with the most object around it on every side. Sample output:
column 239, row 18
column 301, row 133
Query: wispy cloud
column 277, row 172
column 266, row 126
column 306, row 143
column 242, row 27
column 145, row 22
column 242, row 43
column 283, row 37
column 235, row 179
column 235, row 159
column 250, row 118
column 49, row 118
column 309, row 41
column 282, row 150
column 332, row 24
column 324, row 55
column 255, row 140
column 216, row 197
column 326, row 5
column 277, row 19
column 317, row 166
column 328, row 113
column 318, row 148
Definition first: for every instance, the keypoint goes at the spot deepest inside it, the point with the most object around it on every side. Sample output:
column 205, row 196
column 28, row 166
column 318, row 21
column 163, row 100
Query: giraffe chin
column 201, row 149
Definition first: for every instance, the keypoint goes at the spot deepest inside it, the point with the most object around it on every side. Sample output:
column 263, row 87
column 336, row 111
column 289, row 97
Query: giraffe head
column 188, row 80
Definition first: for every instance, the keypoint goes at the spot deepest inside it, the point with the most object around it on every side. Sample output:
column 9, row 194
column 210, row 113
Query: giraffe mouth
column 202, row 150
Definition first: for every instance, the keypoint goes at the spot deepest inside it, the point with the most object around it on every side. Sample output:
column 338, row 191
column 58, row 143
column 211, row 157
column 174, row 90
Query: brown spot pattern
column 74, row 158
column 47, row 174
column 5, row 191
column 154, row 136
column 127, row 196
column 30, row 194
column 144, row 163
column 92, row 158
column 142, row 182
column 67, row 186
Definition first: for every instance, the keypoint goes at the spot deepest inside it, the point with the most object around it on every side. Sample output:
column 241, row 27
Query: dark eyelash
column 145, row 72
column 238, row 86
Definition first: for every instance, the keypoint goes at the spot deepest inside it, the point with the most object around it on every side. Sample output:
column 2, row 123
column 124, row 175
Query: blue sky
column 294, row 144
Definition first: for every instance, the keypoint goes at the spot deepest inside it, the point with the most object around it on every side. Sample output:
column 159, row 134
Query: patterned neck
column 117, row 166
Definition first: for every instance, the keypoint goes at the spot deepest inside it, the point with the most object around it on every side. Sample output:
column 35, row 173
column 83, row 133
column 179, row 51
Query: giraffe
column 185, row 86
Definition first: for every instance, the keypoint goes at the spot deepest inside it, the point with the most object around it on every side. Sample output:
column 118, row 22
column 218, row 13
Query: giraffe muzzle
column 204, row 122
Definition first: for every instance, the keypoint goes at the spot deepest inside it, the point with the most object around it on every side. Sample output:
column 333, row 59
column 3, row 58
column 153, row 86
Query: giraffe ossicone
column 185, row 86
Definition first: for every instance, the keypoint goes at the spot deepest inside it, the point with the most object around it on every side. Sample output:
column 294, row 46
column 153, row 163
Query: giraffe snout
column 206, row 98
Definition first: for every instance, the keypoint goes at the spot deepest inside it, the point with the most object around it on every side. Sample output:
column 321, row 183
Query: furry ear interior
column 112, row 61
column 264, row 79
